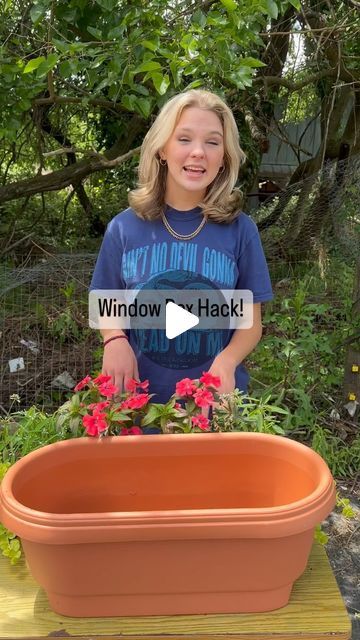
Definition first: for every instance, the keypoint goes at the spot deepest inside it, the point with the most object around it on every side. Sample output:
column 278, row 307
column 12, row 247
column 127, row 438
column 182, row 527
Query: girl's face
column 194, row 154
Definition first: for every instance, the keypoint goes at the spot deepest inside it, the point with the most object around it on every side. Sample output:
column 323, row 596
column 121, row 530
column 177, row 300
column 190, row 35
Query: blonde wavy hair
column 222, row 201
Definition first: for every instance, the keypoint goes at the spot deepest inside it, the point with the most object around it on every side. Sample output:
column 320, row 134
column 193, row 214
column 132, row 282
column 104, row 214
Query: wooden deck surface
column 315, row 611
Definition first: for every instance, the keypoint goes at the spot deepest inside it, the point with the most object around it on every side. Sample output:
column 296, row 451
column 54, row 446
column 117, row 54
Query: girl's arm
column 241, row 344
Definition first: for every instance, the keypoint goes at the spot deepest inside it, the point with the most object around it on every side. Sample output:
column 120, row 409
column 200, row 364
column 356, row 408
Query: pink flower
column 133, row 384
column 209, row 380
column 101, row 379
column 201, row 422
column 96, row 407
column 107, row 389
column 131, row 431
column 80, row 385
column 136, row 402
column 95, row 424
column 203, row 398
column 185, row 387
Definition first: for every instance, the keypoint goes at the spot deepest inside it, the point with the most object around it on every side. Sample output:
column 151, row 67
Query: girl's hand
column 224, row 368
column 120, row 363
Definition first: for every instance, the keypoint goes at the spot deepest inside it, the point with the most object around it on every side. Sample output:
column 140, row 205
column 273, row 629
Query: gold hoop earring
column 162, row 162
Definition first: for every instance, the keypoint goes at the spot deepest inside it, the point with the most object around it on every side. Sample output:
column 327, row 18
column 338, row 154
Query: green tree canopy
column 82, row 81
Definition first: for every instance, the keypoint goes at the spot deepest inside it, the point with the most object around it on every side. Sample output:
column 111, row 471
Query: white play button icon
column 178, row 320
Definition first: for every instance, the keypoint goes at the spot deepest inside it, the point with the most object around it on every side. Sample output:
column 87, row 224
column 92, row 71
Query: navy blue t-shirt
column 136, row 253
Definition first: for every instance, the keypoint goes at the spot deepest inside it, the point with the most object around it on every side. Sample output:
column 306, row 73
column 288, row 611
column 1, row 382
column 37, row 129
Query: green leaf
column 320, row 536
column 160, row 82
column 33, row 64
column 272, row 8
column 75, row 401
column 129, row 101
column 152, row 45
column 116, row 33
column 49, row 63
column 120, row 417
column 108, row 5
column 134, row 103
column 199, row 18
column 74, row 423
column 252, row 62
column 152, row 415
column 15, row 544
column 217, row 20
column 68, row 68
column 139, row 88
column 77, row 47
column 104, row 83
column 191, row 70
column 230, row 5
column 99, row 60
column 348, row 512
column 24, row 104
column 149, row 65
column 223, row 49
column 296, row 4
column 195, row 84
column 36, row 13
column 69, row 15
column 237, row 79
column 117, row 64
column 143, row 106
column 259, row 422
column 278, row 429
column 3, row 468
column 188, row 43
column 176, row 73
column 60, row 44
column 95, row 32
column 166, row 53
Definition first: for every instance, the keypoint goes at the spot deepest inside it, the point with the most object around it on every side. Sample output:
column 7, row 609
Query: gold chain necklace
column 180, row 236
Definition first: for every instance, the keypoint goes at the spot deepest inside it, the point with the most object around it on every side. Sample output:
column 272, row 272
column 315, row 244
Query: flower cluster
column 99, row 407
column 110, row 416
column 198, row 393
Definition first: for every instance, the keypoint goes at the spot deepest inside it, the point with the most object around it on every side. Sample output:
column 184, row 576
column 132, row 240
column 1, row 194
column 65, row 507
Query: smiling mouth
column 194, row 171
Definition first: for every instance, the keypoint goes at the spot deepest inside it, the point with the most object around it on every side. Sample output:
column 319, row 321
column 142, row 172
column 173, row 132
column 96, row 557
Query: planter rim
column 292, row 517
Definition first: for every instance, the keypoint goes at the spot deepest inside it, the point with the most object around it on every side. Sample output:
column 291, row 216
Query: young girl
column 184, row 229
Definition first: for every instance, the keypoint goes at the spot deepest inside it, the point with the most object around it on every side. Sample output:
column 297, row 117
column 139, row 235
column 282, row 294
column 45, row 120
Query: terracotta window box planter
column 167, row 524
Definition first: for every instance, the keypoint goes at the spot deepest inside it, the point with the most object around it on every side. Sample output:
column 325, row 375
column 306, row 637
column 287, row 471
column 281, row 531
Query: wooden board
column 315, row 611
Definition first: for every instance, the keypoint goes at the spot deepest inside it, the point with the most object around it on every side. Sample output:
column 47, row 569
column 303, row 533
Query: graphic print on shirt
column 147, row 261
column 182, row 266
column 191, row 348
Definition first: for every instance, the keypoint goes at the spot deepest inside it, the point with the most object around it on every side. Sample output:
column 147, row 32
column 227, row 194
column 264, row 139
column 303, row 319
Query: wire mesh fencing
column 46, row 343
column 310, row 233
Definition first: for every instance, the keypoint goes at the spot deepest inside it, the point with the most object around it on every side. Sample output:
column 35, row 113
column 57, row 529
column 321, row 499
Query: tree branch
column 108, row 104
column 295, row 86
column 57, row 180
column 302, row 31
